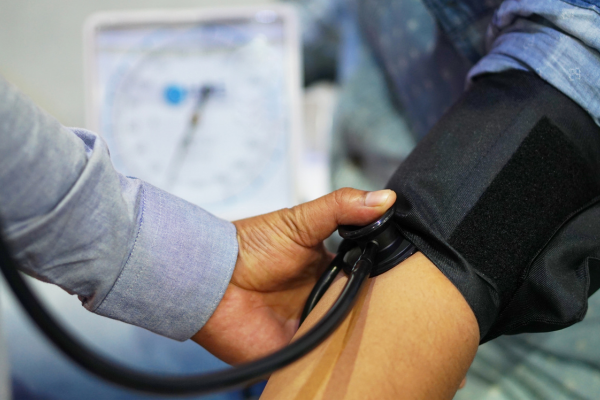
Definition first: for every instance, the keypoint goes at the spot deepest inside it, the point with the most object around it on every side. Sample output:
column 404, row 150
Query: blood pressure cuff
column 503, row 196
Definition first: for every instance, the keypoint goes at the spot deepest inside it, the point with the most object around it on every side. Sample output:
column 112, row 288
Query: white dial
column 204, row 122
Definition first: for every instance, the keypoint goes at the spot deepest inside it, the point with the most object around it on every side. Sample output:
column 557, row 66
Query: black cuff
column 510, row 165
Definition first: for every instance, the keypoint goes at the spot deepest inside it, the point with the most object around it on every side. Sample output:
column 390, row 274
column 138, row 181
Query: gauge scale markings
column 190, row 138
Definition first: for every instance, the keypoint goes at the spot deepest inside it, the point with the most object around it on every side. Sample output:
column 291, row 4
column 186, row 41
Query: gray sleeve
column 131, row 251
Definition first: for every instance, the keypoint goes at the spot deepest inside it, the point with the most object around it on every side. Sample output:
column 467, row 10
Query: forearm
column 411, row 335
column 129, row 250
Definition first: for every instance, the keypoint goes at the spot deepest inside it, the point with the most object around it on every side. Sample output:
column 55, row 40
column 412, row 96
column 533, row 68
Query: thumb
column 316, row 220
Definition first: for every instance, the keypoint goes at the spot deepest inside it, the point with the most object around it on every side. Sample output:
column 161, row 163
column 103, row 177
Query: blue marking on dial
column 174, row 94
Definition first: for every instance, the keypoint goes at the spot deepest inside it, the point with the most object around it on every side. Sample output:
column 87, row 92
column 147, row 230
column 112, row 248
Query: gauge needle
column 188, row 137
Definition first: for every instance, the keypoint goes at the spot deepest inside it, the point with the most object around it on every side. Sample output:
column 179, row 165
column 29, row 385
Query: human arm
column 562, row 57
column 139, row 254
column 411, row 335
column 503, row 197
column 472, row 143
column 128, row 249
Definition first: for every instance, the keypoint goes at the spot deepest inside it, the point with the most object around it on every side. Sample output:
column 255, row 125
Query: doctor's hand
column 281, row 256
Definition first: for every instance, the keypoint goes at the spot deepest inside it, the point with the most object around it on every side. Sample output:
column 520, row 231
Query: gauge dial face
column 202, row 112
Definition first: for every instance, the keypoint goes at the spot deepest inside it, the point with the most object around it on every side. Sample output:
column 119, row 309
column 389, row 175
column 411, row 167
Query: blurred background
column 42, row 47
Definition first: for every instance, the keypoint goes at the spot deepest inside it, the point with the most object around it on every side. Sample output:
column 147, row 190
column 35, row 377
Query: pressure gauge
column 203, row 104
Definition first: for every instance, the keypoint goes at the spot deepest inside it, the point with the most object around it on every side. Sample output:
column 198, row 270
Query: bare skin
column 281, row 255
column 410, row 336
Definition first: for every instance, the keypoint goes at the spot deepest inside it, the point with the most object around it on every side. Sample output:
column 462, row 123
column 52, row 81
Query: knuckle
column 292, row 219
column 342, row 196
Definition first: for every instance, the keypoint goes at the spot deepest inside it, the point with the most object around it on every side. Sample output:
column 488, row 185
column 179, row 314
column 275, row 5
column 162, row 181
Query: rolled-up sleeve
column 557, row 39
column 129, row 250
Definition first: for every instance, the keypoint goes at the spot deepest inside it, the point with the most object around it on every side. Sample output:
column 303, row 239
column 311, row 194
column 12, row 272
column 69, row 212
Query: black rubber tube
column 321, row 286
column 185, row 385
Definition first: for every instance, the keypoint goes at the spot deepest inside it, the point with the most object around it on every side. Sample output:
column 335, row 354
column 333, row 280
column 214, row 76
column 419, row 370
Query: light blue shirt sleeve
column 131, row 251
column 557, row 39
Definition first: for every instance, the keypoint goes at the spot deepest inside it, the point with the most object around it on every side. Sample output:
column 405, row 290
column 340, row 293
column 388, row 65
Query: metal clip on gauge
column 365, row 251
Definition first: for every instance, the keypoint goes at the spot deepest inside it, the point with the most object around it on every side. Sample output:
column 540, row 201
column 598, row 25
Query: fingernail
column 378, row 198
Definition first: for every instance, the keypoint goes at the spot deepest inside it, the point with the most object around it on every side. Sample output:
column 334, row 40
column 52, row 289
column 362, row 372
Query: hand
column 281, row 256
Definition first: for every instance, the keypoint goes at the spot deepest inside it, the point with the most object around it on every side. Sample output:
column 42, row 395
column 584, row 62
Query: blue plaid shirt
column 557, row 39
column 403, row 63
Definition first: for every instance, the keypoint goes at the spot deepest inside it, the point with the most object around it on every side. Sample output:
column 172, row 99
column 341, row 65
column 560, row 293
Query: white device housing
column 127, row 22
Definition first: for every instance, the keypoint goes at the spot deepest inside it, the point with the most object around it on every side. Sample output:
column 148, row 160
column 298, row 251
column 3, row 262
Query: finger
column 315, row 221
column 463, row 383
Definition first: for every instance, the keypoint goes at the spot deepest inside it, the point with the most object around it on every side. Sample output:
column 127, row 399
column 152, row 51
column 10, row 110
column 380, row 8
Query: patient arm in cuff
column 411, row 335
